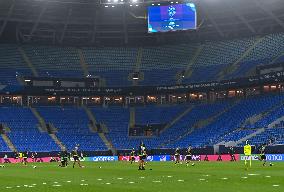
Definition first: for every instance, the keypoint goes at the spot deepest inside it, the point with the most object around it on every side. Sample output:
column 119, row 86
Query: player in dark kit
column 75, row 156
column 25, row 157
column 232, row 154
column 177, row 156
column 132, row 156
column 142, row 156
column 64, row 159
column 189, row 156
column 263, row 156
column 33, row 157
column 16, row 156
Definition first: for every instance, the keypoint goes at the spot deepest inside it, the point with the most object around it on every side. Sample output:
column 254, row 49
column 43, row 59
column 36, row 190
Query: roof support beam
column 268, row 12
column 125, row 26
column 65, row 25
column 241, row 17
column 212, row 20
column 7, row 17
column 95, row 25
column 37, row 21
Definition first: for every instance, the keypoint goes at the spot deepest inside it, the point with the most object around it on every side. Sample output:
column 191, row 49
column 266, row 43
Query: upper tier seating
column 159, row 64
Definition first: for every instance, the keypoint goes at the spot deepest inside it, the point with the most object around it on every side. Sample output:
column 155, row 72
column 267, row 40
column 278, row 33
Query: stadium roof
column 89, row 22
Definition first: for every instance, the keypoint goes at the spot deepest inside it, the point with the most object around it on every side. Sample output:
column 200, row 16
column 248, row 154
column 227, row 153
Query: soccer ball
column 34, row 167
column 192, row 164
column 270, row 164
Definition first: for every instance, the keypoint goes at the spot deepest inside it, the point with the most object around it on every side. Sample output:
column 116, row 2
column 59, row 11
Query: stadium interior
column 34, row 54
column 190, row 92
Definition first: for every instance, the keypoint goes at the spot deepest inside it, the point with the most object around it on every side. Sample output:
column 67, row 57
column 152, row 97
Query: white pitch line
column 142, row 177
column 244, row 177
column 201, row 179
column 25, row 185
column 157, row 181
column 84, row 184
column 83, row 180
column 55, row 182
column 31, row 186
column 180, row 180
column 18, row 186
column 268, row 176
column 170, row 176
column 34, row 184
column 253, row 174
column 9, row 187
column 68, row 181
column 44, row 183
column 108, row 183
column 275, row 185
column 224, row 178
column 99, row 179
column 206, row 175
column 119, row 178
column 56, row 185
column 131, row 182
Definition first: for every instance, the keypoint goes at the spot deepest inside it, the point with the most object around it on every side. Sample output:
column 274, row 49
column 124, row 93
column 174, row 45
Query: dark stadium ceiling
column 89, row 22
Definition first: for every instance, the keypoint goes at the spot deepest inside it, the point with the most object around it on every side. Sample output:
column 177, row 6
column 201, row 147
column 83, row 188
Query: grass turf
column 122, row 176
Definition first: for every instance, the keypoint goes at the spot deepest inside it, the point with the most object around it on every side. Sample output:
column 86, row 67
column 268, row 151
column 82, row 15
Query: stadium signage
column 183, row 157
column 144, row 90
column 149, row 158
column 104, row 158
column 269, row 157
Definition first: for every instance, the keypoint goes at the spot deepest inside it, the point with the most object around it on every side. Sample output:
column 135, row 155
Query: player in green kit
column 75, row 156
column 189, row 157
column 262, row 156
column 247, row 152
column 25, row 157
column 64, row 158
column 142, row 156
column 132, row 156
column 177, row 156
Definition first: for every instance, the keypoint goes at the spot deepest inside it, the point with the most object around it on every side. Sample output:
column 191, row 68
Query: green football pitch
column 158, row 176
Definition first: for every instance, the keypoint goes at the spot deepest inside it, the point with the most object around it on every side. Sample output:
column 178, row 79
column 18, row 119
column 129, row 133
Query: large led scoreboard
column 172, row 17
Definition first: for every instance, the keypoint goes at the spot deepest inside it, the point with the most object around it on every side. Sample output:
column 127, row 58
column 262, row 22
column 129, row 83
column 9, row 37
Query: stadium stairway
column 132, row 117
column 102, row 135
column 83, row 63
column 43, row 128
column 8, row 142
column 203, row 123
column 4, row 130
column 188, row 71
column 28, row 62
column 92, row 126
column 275, row 122
column 57, row 141
column 255, row 118
column 274, row 60
column 230, row 69
column 258, row 131
column 138, row 64
column 42, row 124
column 177, row 118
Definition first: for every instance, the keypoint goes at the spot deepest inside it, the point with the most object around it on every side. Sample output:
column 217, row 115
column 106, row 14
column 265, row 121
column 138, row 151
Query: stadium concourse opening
column 141, row 95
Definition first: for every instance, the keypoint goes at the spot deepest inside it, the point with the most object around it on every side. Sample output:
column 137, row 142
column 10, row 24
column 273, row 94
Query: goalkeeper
column 247, row 152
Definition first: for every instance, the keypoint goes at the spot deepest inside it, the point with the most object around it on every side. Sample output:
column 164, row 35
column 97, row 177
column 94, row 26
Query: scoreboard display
column 171, row 17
